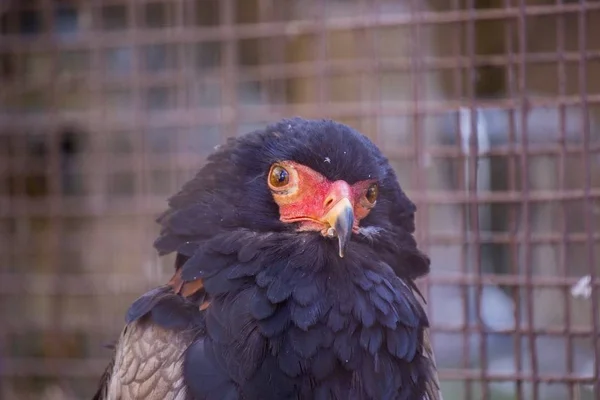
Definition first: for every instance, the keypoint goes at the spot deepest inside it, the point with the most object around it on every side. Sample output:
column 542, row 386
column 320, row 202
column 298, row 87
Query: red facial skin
column 308, row 197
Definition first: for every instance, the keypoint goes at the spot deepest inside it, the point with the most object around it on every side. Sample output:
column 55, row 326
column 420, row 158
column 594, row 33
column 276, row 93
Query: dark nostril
column 328, row 202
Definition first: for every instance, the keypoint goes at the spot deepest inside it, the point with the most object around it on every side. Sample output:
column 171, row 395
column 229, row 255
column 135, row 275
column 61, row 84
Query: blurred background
column 488, row 110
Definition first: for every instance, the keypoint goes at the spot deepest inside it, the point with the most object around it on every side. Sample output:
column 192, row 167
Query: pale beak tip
column 341, row 221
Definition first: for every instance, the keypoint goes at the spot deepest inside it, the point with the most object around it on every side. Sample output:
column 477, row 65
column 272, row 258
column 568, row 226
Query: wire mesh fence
column 487, row 110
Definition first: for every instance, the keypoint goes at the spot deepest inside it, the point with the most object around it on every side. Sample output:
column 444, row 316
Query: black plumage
column 276, row 313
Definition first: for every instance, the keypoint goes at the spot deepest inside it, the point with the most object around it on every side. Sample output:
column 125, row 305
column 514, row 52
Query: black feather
column 308, row 315
column 279, row 290
column 371, row 339
column 336, row 321
column 306, row 343
column 145, row 303
column 363, row 309
column 307, row 290
column 261, row 307
column 324, row 364
column 220, row 283
column 277, row 323
column 243, row 271
column 175, row 312
column 203, row 375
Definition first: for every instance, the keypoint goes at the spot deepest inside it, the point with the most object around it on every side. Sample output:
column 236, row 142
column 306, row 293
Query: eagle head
column 315, row 178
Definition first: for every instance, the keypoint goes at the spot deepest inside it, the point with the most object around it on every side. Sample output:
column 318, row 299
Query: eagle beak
column 341, row 220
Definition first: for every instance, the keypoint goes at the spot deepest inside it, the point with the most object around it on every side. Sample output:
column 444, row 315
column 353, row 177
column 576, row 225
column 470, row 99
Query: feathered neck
column 306, row 253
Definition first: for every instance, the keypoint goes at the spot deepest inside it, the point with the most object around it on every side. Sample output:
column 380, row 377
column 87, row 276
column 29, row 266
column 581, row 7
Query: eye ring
column 279, row 177
column 372, row 193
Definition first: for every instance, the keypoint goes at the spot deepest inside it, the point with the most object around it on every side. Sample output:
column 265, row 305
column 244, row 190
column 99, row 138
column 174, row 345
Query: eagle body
column 259, row 308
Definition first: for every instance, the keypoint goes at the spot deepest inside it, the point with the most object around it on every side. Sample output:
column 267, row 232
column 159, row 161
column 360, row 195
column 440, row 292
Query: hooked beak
column 341, row 221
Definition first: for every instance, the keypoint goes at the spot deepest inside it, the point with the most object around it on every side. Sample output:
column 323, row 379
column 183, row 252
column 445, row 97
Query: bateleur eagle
column 294, row 279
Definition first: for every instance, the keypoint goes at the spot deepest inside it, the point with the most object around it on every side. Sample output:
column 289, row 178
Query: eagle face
column 315, row 178
column 314, row 203
column 294, row 278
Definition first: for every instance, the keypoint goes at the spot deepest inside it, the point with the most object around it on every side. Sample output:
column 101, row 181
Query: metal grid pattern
column 486, row 109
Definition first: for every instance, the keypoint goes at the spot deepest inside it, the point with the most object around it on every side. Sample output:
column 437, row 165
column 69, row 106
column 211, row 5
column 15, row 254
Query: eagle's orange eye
column 278, row 177
column 372, row 193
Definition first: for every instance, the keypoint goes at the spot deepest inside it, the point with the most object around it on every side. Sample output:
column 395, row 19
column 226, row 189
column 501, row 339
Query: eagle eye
column 371, row 194
column 278, row 176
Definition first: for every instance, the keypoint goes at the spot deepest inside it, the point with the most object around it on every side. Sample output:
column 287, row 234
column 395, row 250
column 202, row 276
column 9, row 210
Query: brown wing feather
column 433, row 391
column 147, row 365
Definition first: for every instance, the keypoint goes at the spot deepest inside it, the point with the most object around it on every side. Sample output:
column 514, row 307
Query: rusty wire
column 38, row 228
